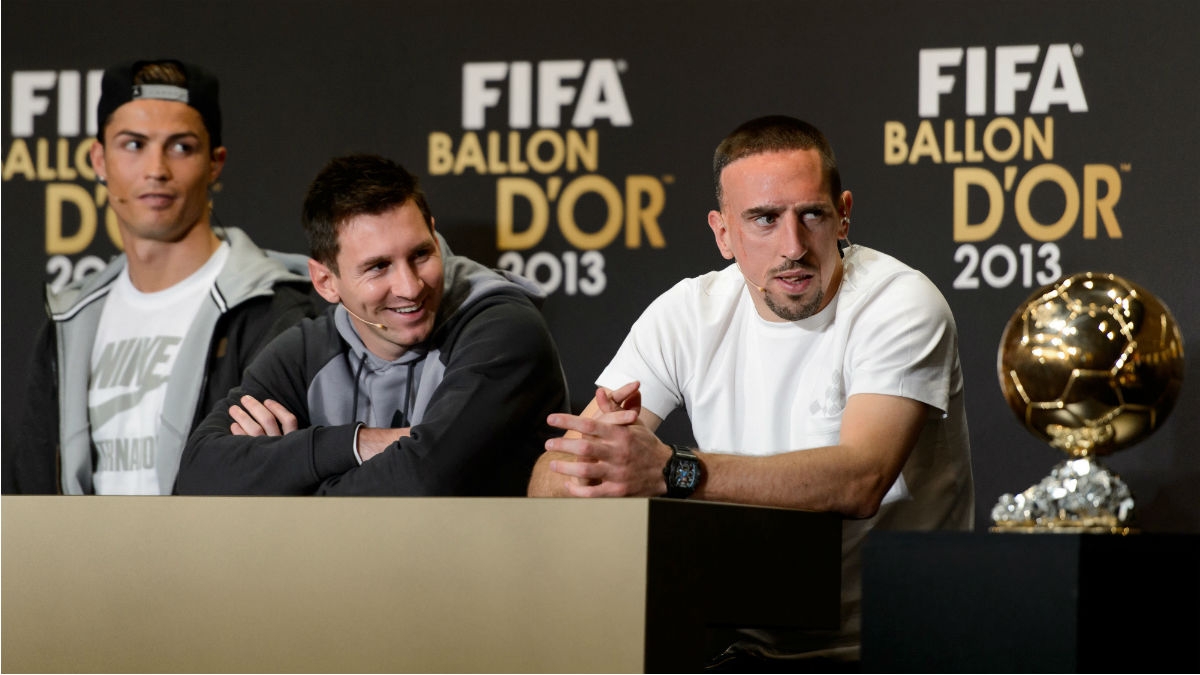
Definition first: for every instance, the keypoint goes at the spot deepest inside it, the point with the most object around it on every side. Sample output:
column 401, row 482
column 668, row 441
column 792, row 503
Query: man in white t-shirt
column 134, row 355
column 816, row 375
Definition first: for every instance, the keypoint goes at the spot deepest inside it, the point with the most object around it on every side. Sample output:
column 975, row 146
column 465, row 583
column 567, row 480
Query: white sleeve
column 908, row 345
column 653, row 354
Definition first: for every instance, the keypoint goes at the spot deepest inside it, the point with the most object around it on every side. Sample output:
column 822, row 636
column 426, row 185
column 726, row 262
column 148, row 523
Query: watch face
column 685, row 474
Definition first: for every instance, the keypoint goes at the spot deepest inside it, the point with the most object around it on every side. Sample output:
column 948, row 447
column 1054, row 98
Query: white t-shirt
column 755, row 387
column 133, row 357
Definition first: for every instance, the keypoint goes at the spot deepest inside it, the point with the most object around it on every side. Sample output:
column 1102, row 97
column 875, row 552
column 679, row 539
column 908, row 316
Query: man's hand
column 268, row 418
column 618, row 455
column 373, row 440
column 608, row 400
column 628, row 397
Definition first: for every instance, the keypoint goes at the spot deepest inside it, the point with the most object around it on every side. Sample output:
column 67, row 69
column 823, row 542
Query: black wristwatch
column 683, row 472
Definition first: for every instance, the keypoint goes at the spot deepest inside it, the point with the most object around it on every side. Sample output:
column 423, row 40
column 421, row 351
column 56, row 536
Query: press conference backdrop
column 995, row 146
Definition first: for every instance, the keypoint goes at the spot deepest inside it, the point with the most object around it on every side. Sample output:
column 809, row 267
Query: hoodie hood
column 248, row 272
column 468, row 282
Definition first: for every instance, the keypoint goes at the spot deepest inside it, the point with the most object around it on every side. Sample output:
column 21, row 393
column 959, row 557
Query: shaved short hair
column 776, row 133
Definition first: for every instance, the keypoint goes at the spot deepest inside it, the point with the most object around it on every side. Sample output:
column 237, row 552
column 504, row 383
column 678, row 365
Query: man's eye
column 812, row 218
column 765, row 219
column 183, row 148
column 132, row 145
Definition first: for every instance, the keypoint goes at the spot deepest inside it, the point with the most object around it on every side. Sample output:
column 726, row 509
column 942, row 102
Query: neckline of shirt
column 203, row 277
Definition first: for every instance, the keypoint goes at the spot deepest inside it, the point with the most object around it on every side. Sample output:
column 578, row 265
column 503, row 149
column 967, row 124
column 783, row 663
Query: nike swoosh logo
column 101, row 414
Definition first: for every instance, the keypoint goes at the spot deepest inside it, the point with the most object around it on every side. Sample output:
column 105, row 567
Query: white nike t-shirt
column 132, row 360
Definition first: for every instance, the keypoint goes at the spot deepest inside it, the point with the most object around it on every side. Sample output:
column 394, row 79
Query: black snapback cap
column 200, row 92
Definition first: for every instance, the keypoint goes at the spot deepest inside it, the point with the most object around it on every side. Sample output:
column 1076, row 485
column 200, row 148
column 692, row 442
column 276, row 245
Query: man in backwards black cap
column 133, row 356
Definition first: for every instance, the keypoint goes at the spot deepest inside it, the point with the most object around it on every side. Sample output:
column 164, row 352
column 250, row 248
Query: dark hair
column 776, row 133
column 165, row 79
column 164, row 72
column 354, row 185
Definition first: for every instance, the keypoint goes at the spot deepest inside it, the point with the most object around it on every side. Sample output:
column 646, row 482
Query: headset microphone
column 115, row 197
column 760, row 288
column 369, row 323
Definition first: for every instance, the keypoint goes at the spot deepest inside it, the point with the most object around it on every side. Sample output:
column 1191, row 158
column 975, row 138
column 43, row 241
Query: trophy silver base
column 1079, row 495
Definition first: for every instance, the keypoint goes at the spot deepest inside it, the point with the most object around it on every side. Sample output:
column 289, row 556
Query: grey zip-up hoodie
column 475, row 394
column 255, row 297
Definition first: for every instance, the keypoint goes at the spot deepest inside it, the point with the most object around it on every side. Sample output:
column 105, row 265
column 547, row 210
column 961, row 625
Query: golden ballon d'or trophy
column 1091, row 365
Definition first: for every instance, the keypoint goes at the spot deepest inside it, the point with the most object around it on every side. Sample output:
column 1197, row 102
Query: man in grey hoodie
column 430, row 375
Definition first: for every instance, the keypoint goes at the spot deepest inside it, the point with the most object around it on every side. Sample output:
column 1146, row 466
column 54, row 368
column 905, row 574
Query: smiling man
column 135, row 355
column 432, row 375
column 816, row 375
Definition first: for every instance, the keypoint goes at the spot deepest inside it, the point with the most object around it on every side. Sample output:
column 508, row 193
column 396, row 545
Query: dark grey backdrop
column 304, row 81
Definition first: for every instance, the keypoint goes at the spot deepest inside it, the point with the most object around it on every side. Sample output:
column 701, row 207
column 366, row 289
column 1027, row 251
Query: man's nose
column 157, row 167
column 406, row 283
column 794, row 237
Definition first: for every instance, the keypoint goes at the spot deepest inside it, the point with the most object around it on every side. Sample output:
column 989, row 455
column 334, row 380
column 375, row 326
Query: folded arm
column 485, row 425
column 270, row 418
column 217, row 461
column 621, row 456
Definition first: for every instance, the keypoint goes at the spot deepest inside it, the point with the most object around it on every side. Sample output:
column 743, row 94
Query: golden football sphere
column 1091, row 364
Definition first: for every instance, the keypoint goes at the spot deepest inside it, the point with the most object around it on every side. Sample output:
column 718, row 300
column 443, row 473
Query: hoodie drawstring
column 361, row 364
column 408, row 393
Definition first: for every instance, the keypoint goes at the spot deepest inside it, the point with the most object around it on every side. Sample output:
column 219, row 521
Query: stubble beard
column 794, row 312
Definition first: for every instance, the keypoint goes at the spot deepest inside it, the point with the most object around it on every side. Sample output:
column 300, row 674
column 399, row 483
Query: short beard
column 795, row 313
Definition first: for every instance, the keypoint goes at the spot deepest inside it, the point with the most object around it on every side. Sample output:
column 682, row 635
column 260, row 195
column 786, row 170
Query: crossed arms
column 482, row 430
column 270, row 418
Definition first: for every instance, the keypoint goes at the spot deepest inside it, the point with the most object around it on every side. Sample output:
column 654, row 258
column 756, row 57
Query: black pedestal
column 989, row 602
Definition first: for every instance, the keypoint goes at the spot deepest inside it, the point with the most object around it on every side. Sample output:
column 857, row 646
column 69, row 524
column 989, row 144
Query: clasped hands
column 271, row 418
column 616, row 454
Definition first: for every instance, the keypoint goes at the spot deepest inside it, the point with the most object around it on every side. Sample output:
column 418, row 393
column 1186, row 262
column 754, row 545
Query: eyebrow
column 756, row 211
column 173, row 137
column 775, row 209
column 371, row 262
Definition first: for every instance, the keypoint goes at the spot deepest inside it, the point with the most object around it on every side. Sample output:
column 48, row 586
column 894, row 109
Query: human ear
column 218, row 163
column 844, row 214
column 96, row 155
column 721, row 233
column 323, row 279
